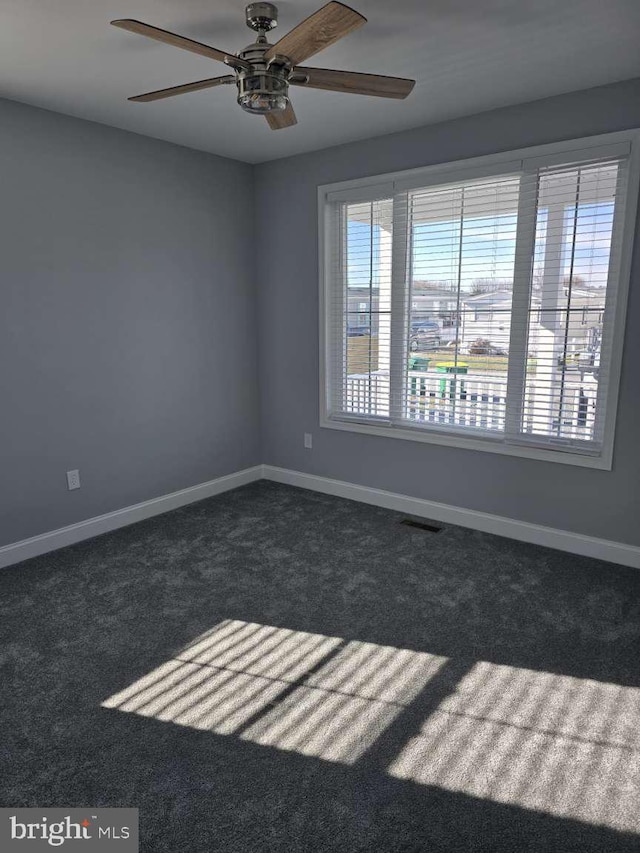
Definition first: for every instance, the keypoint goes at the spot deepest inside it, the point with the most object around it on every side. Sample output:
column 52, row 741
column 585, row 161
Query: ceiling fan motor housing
column 262, row 16
column 265, row 88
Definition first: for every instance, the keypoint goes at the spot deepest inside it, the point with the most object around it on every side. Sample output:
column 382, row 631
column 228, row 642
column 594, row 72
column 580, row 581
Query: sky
column 487, row 246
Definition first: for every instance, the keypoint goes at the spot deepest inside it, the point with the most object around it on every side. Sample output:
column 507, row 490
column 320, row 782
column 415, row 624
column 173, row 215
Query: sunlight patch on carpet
column 296, row 691
column 565, row 746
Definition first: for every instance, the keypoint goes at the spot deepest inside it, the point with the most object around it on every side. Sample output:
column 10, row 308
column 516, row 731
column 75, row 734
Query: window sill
column 462, row 442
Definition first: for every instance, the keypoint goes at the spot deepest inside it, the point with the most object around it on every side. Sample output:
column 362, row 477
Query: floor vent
column 427, row 526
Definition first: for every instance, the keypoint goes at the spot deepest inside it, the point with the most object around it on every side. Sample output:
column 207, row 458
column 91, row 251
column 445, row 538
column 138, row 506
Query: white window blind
column 570, row 318
column 360, row 307
column 461, row 242
column 479, row 307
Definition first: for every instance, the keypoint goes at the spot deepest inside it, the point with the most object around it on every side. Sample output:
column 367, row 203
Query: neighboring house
column 488, row 316
column 428, row 302
column 358, row 307
column 437, row 304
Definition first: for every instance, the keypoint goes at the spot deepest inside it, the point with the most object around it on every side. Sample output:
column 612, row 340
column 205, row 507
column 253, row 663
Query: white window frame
column 385, row 186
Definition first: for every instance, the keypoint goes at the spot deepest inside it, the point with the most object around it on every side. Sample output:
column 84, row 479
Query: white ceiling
column 467, row 56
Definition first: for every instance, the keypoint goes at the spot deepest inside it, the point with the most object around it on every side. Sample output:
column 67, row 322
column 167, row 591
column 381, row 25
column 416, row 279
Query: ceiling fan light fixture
column 262, row 93
column 259, row 103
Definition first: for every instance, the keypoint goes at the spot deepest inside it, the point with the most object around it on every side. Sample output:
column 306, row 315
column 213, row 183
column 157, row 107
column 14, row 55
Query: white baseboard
column 45, row 542
column 563, row 540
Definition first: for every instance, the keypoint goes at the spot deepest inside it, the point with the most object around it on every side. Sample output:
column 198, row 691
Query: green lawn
column 476, row 363
column 362, row 355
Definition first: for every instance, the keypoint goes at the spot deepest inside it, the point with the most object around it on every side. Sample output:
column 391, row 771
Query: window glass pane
column 367, row 307
column 484, row 307
column 462, row 253
column 574, row 229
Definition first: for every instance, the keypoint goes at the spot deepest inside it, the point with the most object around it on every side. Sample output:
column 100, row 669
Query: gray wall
column 127, row 319
column 596, row 503
column 133, row 306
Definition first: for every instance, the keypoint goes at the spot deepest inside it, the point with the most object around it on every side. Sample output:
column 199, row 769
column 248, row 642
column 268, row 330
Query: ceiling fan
column 264, row 72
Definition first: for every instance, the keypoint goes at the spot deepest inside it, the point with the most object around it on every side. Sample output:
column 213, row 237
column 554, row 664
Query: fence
column 476, row 401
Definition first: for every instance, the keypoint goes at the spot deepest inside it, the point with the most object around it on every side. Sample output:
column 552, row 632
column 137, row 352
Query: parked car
column 424, row 335
column 358, row 331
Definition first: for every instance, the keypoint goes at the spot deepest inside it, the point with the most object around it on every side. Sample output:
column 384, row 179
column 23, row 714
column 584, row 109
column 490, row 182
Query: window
column 494, row 294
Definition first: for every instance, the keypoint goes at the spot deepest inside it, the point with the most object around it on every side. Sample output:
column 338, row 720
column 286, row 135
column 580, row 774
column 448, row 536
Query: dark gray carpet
column 278, row 670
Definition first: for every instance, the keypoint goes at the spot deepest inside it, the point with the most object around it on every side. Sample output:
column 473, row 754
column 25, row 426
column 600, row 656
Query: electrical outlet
column 73, row 480
column 308, row 440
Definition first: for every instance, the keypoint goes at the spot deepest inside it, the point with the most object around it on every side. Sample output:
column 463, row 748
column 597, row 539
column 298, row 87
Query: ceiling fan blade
column 182, row 90
column 170, row 38
column 279, row 119
column 351, row 81
column 316, row 32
